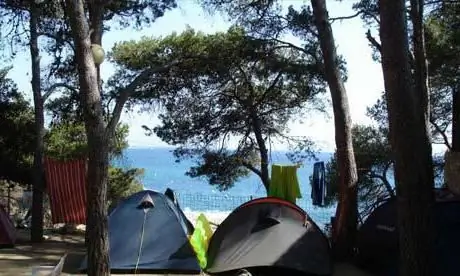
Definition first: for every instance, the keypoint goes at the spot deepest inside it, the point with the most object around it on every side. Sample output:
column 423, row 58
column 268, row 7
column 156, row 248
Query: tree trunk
column 262, row 149
column 410, row 144
column 96, row 18
column 452, row 158
column 347, row 209
column 420, row 64
column 98, row 260
column 456, row 118
column 96, row 27
column 38, row 172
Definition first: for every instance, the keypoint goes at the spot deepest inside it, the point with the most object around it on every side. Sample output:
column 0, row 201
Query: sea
column 161, row 171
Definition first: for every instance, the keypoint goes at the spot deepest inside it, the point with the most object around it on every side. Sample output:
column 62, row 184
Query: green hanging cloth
column 276, row 188
column 284, row 183
column 292, row 183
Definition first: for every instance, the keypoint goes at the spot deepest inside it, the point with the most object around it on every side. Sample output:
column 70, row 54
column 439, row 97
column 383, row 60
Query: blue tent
column 148, row 233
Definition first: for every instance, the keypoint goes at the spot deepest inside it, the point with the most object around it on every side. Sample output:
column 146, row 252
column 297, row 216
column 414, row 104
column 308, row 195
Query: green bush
column 122, row 183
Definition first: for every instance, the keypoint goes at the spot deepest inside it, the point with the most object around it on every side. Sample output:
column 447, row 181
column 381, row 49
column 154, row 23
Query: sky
column 364, row 85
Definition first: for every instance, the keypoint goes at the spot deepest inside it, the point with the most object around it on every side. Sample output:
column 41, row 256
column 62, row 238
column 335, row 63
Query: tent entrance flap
column 146, row 202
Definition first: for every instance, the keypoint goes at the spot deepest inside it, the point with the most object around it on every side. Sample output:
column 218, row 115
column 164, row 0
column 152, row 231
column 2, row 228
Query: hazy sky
column 364, row 83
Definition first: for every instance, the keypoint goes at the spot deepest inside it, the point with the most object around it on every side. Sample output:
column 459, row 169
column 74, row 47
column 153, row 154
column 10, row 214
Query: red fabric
column 66, row 184
column 7, row 230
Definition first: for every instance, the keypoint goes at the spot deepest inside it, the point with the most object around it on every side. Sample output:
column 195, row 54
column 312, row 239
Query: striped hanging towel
column 66, row 184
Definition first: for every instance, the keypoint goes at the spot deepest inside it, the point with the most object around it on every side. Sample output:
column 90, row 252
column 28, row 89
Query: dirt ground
column 20, row 260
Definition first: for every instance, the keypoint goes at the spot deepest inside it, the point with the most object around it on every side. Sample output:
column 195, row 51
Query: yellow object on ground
column 200, row 239
column 284, row 183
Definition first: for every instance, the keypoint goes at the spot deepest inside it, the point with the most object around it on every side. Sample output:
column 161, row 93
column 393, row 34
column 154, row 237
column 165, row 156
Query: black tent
column 377, row 241
column 147, row 234
column 269, row 236
column 172, row 196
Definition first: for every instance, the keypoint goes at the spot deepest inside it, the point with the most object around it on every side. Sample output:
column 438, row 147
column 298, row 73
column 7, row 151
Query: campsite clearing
column 24, row 256
column 20, row 260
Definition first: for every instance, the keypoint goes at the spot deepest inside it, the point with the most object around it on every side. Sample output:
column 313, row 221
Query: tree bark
column 410, row 144
column 420, row 61
column 347, row 209
column 96, row 19
column 96, row 29
column 263, row 151
column 456, row 118
column 98, row 142
column 36, row 233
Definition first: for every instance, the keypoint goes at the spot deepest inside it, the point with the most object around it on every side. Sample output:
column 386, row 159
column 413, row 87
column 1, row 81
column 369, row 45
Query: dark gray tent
column 377, row 241
column 147, row 234
column 269, row 236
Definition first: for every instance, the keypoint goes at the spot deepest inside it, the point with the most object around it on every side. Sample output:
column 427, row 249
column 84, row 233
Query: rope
column 142, row 241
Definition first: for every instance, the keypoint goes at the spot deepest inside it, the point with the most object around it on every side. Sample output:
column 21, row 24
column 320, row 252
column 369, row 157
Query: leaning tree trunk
column 410, row 144
column 456, row 118
column 347, row 209
column 36, row 233
column 98, row 144
column 421, row 64
column 452, row 157
column 264, row 175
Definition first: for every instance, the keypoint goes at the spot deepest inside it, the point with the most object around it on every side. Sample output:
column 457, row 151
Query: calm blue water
column 161, row 172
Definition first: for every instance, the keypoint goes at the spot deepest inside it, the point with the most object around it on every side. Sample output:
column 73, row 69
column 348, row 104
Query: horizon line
column 141, row 147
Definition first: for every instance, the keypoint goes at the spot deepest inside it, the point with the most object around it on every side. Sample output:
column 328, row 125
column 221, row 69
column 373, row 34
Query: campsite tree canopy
column 16, row 144
column 24, row 17
column 374, row 163
column 88, row 20
column 406, row 90
column 441, row 48
column 442, row 36
column 271, row 21
column 224, row 85
column 47, row 22
column 57, row 41
column 66, row 140
column 347, row 208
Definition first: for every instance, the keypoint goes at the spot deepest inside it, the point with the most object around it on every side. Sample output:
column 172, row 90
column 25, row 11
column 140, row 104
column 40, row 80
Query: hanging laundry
column 276, row 187
column 318, row 188
column 66, row 184
column 292, row 183
column 284, row 183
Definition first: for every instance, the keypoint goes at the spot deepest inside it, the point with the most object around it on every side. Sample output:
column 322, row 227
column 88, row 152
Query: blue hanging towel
column 318, row 189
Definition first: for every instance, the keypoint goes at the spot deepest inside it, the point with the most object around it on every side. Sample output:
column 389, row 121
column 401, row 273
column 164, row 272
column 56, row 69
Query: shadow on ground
column 20, row 260
column 25, row 255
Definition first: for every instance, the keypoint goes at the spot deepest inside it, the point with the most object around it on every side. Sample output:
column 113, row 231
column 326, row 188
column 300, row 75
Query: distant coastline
column 167, row 147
